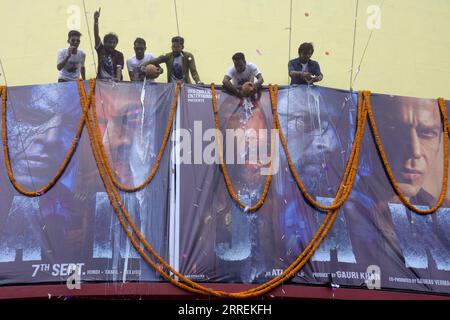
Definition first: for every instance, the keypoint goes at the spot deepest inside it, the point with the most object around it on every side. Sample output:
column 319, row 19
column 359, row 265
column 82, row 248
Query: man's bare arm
column 260, row 81
column 98, row 41
column 61, row 65
column 229, row 86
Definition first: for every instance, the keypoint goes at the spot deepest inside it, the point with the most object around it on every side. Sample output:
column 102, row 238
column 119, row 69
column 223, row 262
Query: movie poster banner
column 375, row 241
column 202, row 223
column 72, row 229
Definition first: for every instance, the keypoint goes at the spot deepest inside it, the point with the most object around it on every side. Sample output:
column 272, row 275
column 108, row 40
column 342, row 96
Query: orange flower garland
column 351, row 165
column 160, row 153
column 364, row 110
column 194, row 287
column 61, row 169
column 224, row 167
column 388, row 170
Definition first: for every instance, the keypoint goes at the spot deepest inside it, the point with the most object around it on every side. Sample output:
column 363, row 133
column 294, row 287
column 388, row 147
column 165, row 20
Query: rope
column 290, row 36
column 176, row 16
column 354, row 43
column 89, row 35
column 364, row 52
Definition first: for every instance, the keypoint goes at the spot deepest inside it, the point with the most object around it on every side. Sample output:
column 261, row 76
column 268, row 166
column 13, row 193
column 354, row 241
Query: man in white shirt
column 240, row 73
column 135, row 64
column 71, row 61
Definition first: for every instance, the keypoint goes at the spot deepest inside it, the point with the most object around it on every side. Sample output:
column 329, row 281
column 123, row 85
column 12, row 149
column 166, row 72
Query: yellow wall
column 408, row 55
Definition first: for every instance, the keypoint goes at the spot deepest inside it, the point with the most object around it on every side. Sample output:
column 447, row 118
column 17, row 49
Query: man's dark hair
column 73, row 33
column 179, row 40
column 238, row 56
column 140, row 40
column 306, row 47
column 111, row 35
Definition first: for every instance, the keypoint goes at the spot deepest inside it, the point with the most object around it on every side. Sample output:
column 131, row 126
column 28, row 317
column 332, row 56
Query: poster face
column 187, row 212
column 375, row 241
column 73, row 225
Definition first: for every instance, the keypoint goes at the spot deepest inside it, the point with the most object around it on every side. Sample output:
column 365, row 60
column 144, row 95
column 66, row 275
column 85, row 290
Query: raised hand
column 97, row 14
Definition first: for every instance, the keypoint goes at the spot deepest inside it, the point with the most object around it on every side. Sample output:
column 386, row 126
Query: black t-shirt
column 108, row 62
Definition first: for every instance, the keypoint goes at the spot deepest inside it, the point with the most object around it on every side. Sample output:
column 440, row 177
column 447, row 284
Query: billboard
column 231, row 212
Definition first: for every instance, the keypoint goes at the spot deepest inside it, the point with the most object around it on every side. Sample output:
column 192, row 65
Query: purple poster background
column 187, row 214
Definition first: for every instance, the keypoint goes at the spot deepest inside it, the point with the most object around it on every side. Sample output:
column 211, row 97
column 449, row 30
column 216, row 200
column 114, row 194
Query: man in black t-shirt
column 110, row 61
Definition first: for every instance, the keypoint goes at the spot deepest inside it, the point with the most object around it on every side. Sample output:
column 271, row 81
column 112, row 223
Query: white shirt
column 134, row 66
column 249, row 74
column 72, row 69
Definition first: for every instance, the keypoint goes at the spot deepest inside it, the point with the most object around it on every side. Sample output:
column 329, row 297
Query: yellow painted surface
column 408, row 55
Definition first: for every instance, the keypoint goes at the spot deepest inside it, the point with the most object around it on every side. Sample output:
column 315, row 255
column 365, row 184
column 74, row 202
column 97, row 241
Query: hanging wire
column 290, row 35
column 285, row 181
column 354, row 43
column 95, row 65
column 89, row 34
column 176, row 16
column 93, row 59
column 364, row 51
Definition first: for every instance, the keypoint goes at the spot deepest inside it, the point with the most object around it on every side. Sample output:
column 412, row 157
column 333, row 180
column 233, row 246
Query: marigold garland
column 351, row 165
column 224, row 167
column 6, row 154
column 387, row 168
column 155, row 167
column 364, row 110
column 196, row 288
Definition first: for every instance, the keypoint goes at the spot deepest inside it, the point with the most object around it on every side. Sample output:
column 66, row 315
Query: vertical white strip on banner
column 174, row 236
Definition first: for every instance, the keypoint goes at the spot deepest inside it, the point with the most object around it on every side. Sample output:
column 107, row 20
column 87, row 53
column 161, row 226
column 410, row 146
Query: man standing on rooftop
column 303, row 70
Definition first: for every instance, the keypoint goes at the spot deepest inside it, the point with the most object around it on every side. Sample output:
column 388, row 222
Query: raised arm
column 98, row 41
